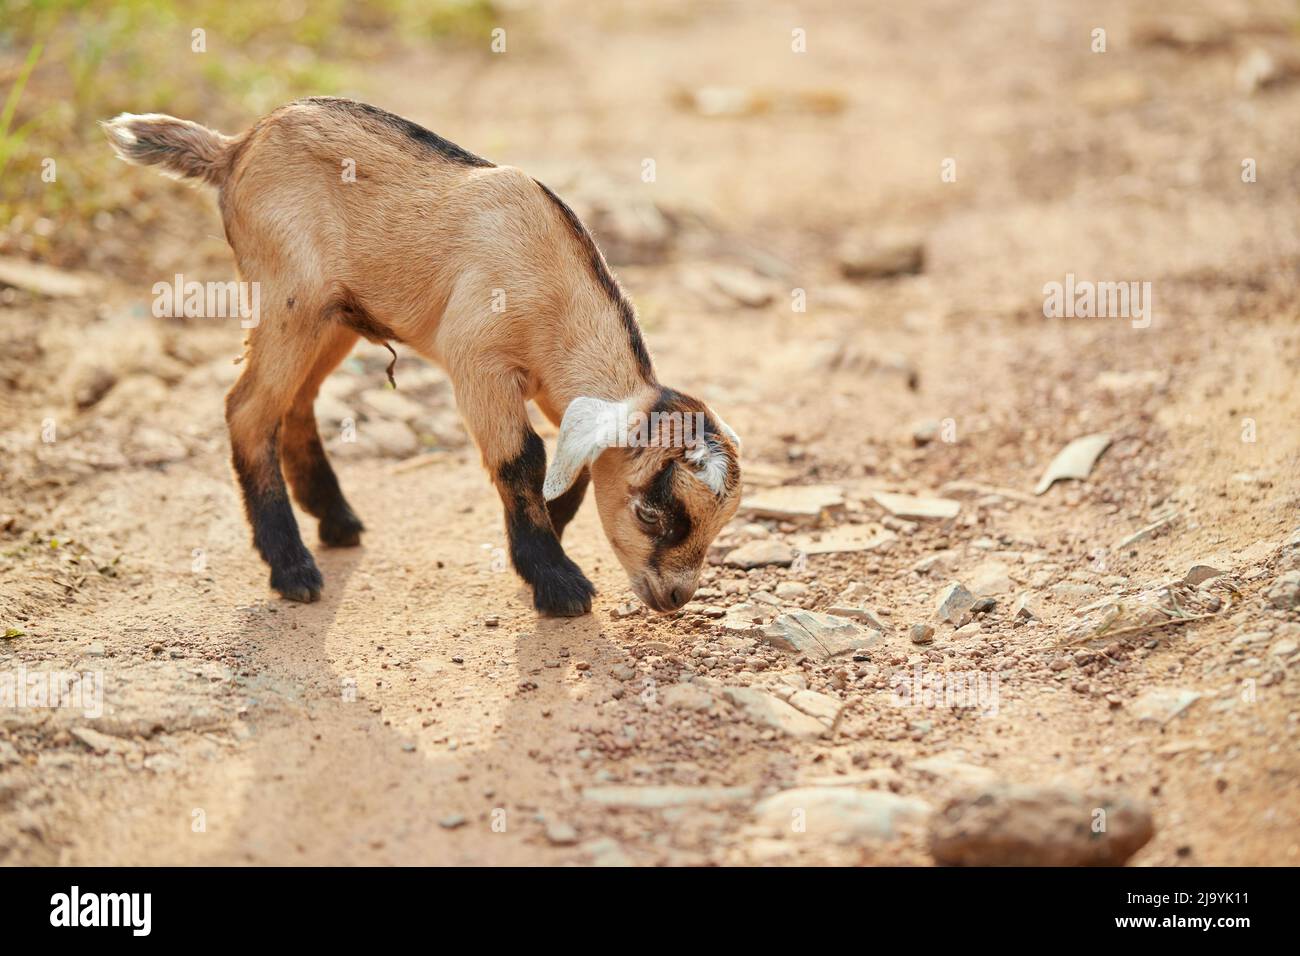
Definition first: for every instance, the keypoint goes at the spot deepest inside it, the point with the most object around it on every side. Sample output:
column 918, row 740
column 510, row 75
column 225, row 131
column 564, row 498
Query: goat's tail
column 182, row 148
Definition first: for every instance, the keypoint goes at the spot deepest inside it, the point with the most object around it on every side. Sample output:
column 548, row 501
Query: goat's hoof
column 341, row 529
column 298, row 582
column 563, row 592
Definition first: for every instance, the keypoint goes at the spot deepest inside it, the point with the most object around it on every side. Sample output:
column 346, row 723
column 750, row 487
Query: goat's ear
column 589, row 426
column 727, row 430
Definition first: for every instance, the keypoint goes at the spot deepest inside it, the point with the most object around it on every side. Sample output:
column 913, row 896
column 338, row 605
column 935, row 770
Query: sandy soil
column 422, row 713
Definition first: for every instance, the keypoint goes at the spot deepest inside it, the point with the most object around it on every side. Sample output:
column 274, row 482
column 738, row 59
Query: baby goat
column 418, row 247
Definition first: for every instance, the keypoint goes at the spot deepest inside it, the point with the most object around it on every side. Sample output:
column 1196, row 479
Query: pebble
column 760, row 553
column 954, row 604
column 1011, row 825
column 1285, row 591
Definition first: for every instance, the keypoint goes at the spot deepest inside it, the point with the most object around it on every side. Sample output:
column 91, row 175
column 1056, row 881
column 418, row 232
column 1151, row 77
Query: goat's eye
column 648, row 517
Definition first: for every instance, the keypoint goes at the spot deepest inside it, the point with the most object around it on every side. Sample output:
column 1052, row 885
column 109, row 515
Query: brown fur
column 418, row 250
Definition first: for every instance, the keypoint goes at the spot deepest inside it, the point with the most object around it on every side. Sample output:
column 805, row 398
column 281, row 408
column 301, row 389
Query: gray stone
column 880, row 257
column 823, row 707
column 1008, row 825
column 770, row 711
column 1200, row 573
column 659, row 797
column 820, row 636
column 954, row 604
column 839, row 814
column 1285, row 591
column 922, row 633
column 806, row 504
column 687, row 696
column 913, row 506
column 1074, row 461
column 1163, row 704
column 757, row 554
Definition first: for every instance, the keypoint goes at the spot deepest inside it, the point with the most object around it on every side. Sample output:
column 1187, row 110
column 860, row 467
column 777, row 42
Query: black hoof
column 341, row 529
column 299, row 582
column 563, row 592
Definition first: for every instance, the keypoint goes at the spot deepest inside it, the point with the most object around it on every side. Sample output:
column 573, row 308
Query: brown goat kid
column 483, row 270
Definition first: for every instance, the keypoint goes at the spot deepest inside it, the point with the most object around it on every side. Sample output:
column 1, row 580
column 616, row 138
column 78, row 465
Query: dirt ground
column 422, row 713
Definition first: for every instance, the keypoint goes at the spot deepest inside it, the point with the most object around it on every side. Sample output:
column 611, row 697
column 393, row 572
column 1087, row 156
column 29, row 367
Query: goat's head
column 667, row 478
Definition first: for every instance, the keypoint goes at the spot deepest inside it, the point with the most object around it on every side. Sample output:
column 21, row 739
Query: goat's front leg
column 493, row 409
column 559, row 586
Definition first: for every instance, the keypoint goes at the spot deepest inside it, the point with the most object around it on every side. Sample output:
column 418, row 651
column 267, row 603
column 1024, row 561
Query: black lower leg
column 563, row 508
column 275, row 531
column 315, row 486
column 559, row 586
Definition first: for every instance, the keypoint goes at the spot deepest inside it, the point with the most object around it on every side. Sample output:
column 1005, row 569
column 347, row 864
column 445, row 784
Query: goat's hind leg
column 313, row 482
column 280, row 353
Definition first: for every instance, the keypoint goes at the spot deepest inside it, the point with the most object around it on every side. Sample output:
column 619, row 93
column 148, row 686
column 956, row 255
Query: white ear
column 589, row 426
column 727, row 430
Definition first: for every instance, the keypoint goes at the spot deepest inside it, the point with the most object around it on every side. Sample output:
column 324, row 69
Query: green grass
column 65, row 65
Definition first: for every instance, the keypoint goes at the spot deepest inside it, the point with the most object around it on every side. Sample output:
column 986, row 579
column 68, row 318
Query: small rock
column 688, row 696
column 953, row 770
column 820, row 636
column 844, row 539
column 839, row 814
column 954, row 604
column 1007, row 825
column 924, row 432
column 922, row 633
column 880, row 257
column 743, row 286
column 823, row 707
column 561, row 834
column 101, row 743
column 1200, row 573
column 802, row 504
column 757, row 554
column 913, row 506
column 1074, row 461
column 791, row 590
column 659, row 797
column 452, row 822
column 770, row 711
column 1285, row 591
column 1162, row 704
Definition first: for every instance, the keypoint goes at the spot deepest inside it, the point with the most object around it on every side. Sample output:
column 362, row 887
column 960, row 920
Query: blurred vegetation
column 65, row 65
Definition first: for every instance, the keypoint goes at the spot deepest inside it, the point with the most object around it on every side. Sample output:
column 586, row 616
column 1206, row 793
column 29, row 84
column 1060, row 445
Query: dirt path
column 421, row 713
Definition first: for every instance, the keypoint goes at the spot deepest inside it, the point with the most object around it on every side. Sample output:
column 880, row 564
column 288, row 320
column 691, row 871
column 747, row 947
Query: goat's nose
column 680, row 596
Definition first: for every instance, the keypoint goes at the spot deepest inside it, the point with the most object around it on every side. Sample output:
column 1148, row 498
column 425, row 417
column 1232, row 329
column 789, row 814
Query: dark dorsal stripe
column 412, row 131
column 600, row 271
